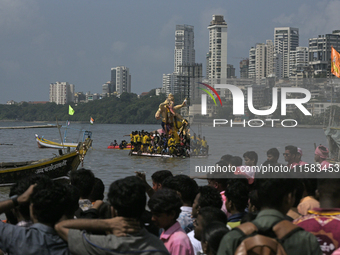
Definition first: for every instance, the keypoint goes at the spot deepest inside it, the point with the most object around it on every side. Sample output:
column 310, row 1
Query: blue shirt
column 39, row 239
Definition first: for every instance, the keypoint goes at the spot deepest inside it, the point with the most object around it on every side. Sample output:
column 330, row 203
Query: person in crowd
column 188, row 190
column 21, row 212
column 83, row 180
column 165, row 207
column 324, row 222
column 205, row 217
column 157, row 179
column 250, row 158
column 293, row 212
column 290, row 155
column 235, row 161
column 277, row 197
column 219, row 182
column 207, row 196
column 48, row 201
column 128, row 200
column 212, row 236
column 308, row 200
column 97, row 191
column 321, row 154
column 237, row 201
column 298, row 158
column 273, row 155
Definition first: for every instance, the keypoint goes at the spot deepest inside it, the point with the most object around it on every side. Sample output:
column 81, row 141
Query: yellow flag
column 335, row 62
column 70, row 110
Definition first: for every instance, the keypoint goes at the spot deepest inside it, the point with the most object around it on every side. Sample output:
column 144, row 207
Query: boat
column 146, row 154
column 116, row 147
column 44, row 143
column 56, row 167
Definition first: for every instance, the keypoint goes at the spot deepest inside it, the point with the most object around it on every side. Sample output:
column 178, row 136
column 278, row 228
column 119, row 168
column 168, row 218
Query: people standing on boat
column 321, row 154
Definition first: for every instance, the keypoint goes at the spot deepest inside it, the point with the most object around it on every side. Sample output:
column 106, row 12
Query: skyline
column 79, row 41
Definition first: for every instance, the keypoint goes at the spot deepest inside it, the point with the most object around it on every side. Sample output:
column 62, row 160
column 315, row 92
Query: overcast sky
column 78, row 41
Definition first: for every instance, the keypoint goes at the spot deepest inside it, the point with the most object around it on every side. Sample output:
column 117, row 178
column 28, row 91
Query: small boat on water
column 117, row 147
column 55, row 167
column 44, row 143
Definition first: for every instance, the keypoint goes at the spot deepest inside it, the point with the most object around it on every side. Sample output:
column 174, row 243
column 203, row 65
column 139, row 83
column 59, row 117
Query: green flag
column 70, row 110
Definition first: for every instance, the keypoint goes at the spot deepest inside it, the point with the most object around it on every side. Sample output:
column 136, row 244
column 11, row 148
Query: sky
column 79, row 41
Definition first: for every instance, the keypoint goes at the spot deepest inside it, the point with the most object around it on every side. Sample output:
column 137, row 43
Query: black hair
column 274, row 151
column 20, row 187
column 238, row 192
column 226, row 157
column 292, row 149
column 50, row 201
column 210, row 214
column 83, row 180
column 298, row 192
column 72, row 201
column 213, row 235
column 209, row 196
column 272, row 191
column 329, row 188
column 160, row 176
column 127, row 196
column 184, row 185
column 311, row 186
column 254, row 200
column 236, row 161
column 98, row 190
column 165, row 201
column 252, row 155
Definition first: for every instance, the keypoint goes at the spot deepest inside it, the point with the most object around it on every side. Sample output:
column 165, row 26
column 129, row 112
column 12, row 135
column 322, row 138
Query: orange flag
column 335, row 63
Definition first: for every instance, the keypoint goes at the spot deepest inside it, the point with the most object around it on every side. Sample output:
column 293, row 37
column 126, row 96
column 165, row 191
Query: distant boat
column 55, row 167
column 44, row 143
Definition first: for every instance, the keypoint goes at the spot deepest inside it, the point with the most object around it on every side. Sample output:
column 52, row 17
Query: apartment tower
column 121, row 79
column 184, row 47
column 286, row 39
column 217, row 56
column 61, row 92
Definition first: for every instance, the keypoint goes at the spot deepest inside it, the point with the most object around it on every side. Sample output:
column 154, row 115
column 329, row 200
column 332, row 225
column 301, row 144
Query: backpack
column 257, row 243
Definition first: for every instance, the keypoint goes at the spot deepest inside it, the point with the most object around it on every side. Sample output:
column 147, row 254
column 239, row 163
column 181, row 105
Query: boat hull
column 44, row 143
column 55, row 167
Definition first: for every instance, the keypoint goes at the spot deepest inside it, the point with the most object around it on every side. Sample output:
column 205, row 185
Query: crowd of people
column 174, row 215
column 161, row 143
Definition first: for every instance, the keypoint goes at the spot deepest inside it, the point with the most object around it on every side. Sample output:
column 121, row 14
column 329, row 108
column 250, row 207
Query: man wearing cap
column 298, row 158
column 321, row 153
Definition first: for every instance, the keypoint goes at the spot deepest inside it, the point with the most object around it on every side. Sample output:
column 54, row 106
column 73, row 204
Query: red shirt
column 325, row 225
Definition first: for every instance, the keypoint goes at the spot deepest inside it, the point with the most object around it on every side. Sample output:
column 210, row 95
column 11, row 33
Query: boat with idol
column 172, row 140
column 55, row 167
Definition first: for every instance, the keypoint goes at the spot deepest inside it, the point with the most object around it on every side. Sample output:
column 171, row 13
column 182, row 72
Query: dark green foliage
column 128, row 109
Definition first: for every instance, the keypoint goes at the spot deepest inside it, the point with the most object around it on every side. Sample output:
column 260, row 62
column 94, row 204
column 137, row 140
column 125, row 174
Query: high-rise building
column 286, row 39
column 270, row 68
column 61, row 92
column 187, row 73
column 121, row 79
column 184, row 47
column 217, row 62
column 320, row 51
column 230, row 71
column 251, row 73
column 298, row 61
column 244, row 66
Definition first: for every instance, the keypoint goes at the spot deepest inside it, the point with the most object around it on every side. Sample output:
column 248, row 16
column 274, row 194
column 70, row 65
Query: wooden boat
column 55, row 167
column 44, row 143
